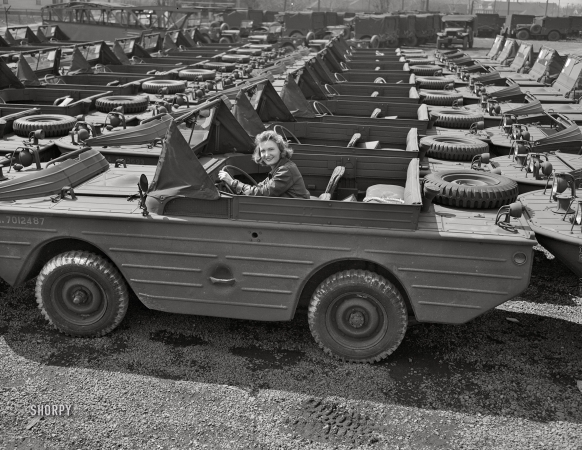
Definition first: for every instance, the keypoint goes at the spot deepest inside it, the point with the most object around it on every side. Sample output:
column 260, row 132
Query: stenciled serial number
column 22, row 220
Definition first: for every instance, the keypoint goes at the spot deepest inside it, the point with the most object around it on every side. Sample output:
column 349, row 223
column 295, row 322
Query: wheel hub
column 80, row 296
column 356, row 319
column 356, row 316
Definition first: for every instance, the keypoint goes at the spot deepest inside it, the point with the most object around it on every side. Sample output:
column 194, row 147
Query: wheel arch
column 317, row 277
column 49, row 249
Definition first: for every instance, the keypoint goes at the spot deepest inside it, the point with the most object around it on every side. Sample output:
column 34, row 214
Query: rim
column 470, row 179
column 79, row 298
column 356, row 321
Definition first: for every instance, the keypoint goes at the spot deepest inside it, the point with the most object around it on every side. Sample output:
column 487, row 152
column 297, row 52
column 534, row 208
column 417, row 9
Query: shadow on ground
column 521, row 368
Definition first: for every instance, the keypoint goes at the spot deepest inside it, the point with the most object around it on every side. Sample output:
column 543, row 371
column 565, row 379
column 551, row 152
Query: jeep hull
column 451, row 268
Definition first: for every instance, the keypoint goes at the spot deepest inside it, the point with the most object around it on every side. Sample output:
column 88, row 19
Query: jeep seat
column 388, row 193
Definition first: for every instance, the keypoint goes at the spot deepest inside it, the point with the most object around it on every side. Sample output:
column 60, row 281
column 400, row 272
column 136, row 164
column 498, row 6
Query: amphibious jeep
column 364, row 267
column 457, row 30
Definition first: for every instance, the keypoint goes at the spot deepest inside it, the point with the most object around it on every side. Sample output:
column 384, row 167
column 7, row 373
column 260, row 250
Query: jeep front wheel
column 357, row 316
column 81, row 294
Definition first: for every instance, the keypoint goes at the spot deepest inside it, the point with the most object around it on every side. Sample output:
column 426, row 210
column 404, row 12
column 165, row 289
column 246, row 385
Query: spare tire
column 224, row 26
column 196, row 74
column 536, row 28
column 227, row 67
column 472, row 189
column 426, row 69
column 433, row 82
column 375, row 41
column 453, row 147
column 418, row 61
column 240, row 59
column 53, row 125
column 173, row 86
column 456, row 118
column 131, row 104
column 439, row 98
column 309, row 37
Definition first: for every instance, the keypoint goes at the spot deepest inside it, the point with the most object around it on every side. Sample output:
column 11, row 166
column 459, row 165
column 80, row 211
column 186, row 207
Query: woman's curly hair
column 269, row 135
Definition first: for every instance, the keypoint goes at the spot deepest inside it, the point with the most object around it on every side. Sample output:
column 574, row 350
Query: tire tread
column 94, row 261
column 354, row 277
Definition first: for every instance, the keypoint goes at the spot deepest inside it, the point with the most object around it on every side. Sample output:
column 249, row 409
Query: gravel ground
column 504, row 381
column 507, row 380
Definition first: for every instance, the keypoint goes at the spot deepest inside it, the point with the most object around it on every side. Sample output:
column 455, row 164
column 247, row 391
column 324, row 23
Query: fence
column 19, row 17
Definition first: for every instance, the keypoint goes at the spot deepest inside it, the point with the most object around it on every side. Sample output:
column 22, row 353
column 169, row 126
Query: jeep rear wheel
column 81, row 294
column 357, row 316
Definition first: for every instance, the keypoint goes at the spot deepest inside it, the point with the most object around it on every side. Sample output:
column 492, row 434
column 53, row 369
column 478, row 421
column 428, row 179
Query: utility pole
column 427, row 5
column 508, row 8
column 284, row 5
column 546, row 13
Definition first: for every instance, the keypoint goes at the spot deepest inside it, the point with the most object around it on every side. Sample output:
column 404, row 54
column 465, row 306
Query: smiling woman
column 284, row 179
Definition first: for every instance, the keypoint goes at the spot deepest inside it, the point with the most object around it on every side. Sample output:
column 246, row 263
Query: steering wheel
column 283, row 131
column 242, row 172
column 320, row 108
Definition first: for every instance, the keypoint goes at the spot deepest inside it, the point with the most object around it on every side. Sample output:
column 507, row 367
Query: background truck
column 547, row 28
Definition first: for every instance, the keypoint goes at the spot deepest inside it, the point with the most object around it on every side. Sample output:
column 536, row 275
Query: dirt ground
column 507, row 380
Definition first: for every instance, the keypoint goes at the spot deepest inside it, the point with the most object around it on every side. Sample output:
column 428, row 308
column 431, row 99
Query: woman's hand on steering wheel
column 227, row 179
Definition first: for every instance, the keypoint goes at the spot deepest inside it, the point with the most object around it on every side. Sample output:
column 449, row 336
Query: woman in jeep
column 284, row 179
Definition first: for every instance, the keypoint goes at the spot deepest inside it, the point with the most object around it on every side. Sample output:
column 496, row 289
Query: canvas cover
column 269, row 16
column 304, row 21
column 246, row 115
column 7, row 78
column 527, row 109
column 268, row 104
column 118, row 51
column 179, row 174
column 222, row 133
column 256, row 15
column 235, row 17
column 368, row 25
column 294, row 99
column 459, row 18
column 331, row 19
column 79, row 64
column 25, row 74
